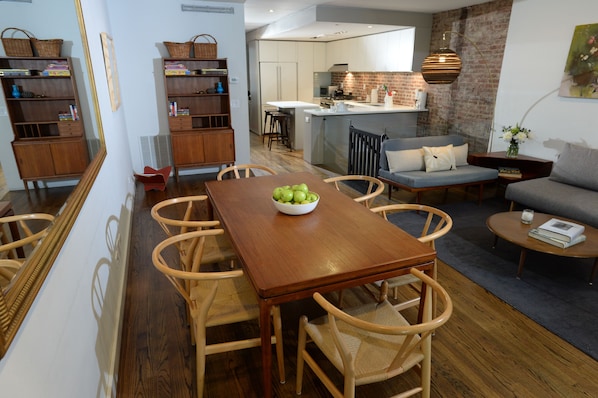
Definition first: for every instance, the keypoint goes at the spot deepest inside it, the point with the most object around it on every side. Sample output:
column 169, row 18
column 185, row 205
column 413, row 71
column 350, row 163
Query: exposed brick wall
column 465, row 107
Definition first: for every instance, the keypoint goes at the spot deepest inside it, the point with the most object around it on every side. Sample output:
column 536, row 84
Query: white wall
column 67, row 345
column 140, row 27
column 537, row 46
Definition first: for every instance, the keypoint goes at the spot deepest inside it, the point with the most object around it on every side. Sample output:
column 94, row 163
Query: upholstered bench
column 422, row 164
column 571, row 190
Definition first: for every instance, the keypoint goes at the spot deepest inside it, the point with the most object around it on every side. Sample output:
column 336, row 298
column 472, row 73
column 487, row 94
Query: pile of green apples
column 298, row 194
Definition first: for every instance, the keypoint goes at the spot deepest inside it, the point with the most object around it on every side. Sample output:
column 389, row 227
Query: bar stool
column 280, row 132
column 268, row 124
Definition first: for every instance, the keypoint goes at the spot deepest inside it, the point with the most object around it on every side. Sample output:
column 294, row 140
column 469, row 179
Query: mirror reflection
column 29, row 244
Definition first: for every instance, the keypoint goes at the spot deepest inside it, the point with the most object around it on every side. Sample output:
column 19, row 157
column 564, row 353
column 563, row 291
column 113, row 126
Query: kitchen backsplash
column 404, row 83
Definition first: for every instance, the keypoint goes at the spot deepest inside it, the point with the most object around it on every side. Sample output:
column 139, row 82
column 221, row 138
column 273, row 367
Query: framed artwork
column 111, row 70
column 581, row 70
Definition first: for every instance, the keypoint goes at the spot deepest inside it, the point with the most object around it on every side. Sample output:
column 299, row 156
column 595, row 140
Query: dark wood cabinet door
column 187, row 148
column 219, row 146
column 34, row 159
column 70, row 157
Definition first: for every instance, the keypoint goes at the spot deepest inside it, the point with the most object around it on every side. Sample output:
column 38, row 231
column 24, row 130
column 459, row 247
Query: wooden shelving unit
column 44, row 146
column 200, row 123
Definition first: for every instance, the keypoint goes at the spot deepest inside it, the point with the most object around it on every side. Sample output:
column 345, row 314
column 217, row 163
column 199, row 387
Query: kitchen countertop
column 293, row 104
column 363, row 108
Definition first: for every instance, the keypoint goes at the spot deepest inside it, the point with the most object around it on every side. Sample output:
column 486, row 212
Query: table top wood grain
column 338, row 243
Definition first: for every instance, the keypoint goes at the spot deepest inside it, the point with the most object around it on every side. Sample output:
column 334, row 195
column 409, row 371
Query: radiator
column 364, row 152
column 155, row 150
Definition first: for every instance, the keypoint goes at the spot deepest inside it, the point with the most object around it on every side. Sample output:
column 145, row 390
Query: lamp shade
column 441, row 67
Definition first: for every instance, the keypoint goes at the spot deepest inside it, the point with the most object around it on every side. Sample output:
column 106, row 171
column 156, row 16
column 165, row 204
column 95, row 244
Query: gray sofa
column 571, row 190
column 400, row 166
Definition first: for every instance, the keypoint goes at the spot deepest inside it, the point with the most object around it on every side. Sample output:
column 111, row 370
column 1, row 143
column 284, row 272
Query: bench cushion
column 421, row 179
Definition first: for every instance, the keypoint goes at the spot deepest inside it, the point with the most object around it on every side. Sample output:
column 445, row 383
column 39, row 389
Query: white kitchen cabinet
column 277, row 51
column 320, row 57
column 278, row 81
column 384, row 52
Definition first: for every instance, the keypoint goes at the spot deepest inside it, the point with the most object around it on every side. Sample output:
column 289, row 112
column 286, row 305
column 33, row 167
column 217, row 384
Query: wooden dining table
column 341, row 244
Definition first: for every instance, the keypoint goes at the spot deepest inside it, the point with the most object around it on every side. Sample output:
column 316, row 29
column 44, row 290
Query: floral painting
column 581, row 69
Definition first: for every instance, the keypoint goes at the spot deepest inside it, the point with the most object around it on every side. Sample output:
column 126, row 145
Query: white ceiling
column 260, row 13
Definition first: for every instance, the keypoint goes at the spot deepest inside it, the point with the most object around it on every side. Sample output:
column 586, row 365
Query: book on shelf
column 509, row 172
column 561, row 229
column 537, row 234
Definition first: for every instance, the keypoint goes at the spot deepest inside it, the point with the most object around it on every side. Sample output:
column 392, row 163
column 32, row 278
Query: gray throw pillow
column 577, row 165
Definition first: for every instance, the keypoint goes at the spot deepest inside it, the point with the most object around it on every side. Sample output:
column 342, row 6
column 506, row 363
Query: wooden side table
column 5, row 211
column 529, row 166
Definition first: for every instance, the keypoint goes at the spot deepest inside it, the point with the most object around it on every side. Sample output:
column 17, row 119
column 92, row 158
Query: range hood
column 339, row 68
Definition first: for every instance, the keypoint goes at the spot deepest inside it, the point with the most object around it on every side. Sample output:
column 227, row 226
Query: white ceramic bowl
column 296, row 210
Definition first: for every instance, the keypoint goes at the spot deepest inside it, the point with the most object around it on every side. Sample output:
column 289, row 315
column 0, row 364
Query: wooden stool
column 281, row 129
column 268, row 123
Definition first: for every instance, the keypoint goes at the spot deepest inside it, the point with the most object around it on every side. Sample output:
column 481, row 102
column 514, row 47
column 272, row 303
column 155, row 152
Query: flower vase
column 15, row 91
column 513, row 150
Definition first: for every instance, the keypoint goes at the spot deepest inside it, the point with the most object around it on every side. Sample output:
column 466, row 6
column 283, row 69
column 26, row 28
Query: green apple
column 277, row 193
column 299, row 196
column 303, row 187
column 286, row 195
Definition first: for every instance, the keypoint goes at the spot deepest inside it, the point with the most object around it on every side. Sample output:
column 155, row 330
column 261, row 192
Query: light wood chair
column 31, row 229
column 8, row 270
column 183, row 214
column 435, row 223
column 372, row 342
column 215, row 299
column 246, row 169
column 374, row 186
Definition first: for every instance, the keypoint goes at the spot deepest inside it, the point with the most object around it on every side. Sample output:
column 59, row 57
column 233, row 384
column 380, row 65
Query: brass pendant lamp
column 443, row 66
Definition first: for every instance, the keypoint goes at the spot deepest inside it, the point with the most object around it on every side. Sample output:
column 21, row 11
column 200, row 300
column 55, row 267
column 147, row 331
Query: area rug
column 553, row 291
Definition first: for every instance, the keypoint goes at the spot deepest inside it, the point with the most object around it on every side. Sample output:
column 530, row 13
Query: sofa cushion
column 552, row 197
column 577, row 166
column 439, row 158
column 461, row 154
column 406, row 160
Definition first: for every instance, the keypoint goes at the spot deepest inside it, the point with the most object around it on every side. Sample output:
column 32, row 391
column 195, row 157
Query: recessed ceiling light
column 370, row 26
column 270, row 10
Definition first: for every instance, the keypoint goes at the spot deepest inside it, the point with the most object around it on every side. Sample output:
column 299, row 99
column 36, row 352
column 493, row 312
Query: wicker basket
column 47, row 48
column 17, row 47
column 179, row 50
column 207, row 50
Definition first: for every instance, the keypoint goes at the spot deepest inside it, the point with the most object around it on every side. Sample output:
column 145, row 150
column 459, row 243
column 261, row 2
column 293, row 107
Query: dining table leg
column 266, row 336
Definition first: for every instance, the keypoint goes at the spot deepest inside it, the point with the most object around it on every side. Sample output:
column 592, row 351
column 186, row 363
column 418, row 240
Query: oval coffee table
column 508, row 226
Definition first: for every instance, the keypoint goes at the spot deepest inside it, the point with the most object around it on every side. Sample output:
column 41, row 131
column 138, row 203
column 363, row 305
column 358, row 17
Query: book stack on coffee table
column 559, row 233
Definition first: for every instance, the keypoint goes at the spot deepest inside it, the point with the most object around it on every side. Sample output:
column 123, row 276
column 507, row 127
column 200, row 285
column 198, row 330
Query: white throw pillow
column 461, row 154
column 406, row 160
column 439, row 158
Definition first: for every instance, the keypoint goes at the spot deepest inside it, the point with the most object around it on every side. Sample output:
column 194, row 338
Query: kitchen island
column 327, row 143
column 296, row 127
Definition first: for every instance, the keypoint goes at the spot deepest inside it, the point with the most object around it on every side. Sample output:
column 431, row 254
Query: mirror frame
column 20, row 296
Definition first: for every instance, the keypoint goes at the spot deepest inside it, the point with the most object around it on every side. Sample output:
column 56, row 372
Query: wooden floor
column 487, row 349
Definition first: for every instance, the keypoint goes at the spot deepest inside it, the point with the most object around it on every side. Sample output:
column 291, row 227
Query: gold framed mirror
column 17, row 299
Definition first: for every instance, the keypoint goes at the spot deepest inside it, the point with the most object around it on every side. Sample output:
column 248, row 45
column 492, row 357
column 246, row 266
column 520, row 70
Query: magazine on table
column 561, row 229
column 537, row 234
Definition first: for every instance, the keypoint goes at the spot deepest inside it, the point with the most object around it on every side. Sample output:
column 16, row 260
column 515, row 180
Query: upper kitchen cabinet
column 277, row 51
column 384, row 52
